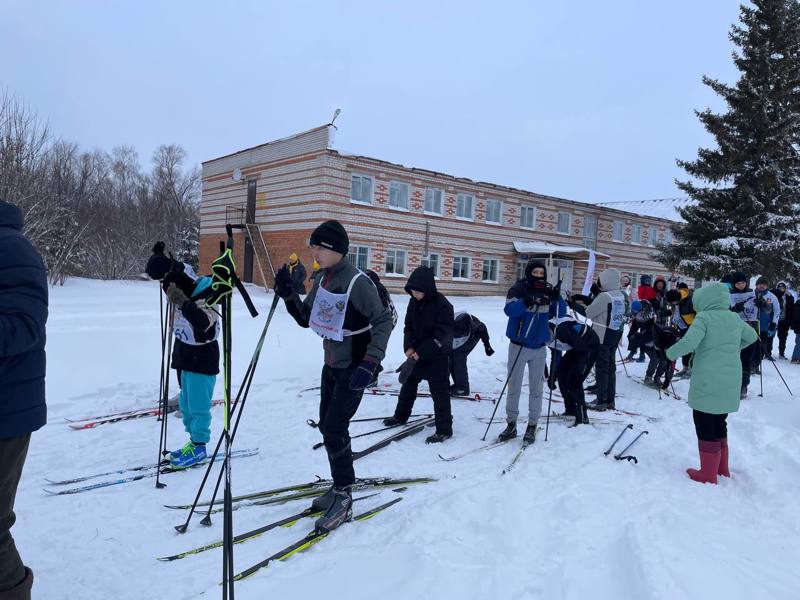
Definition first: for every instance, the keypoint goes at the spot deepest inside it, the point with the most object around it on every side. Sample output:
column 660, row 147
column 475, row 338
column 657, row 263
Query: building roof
column 548, row 248
column 661, row 208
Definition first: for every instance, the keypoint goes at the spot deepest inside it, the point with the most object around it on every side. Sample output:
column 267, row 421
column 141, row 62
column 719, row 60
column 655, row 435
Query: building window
column 464, row 206
column 521, row 264
column 618, row 231
column 433, row 201
column 652, row 236
column 359, row 257
column 668, row 236
column 527, row 217
column 590, row 231
column 636, row 233
column 395, row 262
column 461, row 267
column 398, row 194
column 563, row 222
column 432, row 261
column 491, row 267
column 361, row 189
column 494, row 211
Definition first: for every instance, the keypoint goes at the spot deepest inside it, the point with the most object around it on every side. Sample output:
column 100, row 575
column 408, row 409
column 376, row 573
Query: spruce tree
column 746, row 214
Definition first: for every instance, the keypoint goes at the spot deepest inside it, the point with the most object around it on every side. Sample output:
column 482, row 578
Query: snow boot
column 323, row 503
column 340, row 511
column 600, row 406
column 530, row 434
column 438, row 438
column 743, row 393
column 709, row 462
column 21, row 591
column 648, row 380
column 509, row 433
column 630, row 357
column 191, row 454
column 459, row 391
column 641, row 358
column 393, row 421
column 723, row 458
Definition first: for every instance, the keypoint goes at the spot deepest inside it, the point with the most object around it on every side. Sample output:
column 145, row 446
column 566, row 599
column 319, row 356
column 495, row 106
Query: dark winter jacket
column 298, row 272
column 202, row 355
column 786, row 302
column 429, row 322
column 529, row 326
column 23, row 316
column 795, row 314
column 468, row 330
column 363, row 309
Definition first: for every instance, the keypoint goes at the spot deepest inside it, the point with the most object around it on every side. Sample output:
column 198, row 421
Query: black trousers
column 573, row 368
column 710, row 428
column 12, row 458
column 338, row 403
column 606, row 368
column 436, row 373
column 783, row 332
column 458, row 364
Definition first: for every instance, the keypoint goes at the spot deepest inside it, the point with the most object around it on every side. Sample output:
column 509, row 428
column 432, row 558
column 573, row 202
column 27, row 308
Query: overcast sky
column 586, row 100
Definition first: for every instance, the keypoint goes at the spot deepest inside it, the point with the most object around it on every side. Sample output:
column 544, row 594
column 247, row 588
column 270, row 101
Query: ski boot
column 191, row 454
column 393, row 421
column 641, row 358
column 743, row 393
column 459, row 391
column 174, row 454
column 438, row 438
column 323, row 503
column 630, row 357
column 340, row 510
column 648, row 380
column 530, row 434
column 509, row 433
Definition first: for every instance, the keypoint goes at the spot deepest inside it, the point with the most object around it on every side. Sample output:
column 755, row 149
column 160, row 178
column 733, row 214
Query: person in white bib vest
column 344, row 309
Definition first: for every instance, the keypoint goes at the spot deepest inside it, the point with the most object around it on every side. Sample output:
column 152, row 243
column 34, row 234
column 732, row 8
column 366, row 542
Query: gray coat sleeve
column 364, row 298
column 597, row 311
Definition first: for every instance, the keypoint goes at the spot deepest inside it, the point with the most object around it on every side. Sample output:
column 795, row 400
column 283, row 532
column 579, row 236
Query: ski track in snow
column 566, row 523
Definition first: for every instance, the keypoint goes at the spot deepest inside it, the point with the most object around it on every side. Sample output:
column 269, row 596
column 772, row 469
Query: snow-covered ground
column 567, row 522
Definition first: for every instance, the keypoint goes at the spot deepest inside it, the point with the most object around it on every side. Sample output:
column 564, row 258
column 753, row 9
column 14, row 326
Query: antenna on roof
column 336, row 113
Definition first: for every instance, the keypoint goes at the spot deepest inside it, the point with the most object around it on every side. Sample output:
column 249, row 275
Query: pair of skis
column 152, row 470
column 666, row 391
column 622, row 454
column 92, row 422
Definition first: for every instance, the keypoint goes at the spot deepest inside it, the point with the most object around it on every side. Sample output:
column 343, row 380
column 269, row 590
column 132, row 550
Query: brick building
column 475, row 235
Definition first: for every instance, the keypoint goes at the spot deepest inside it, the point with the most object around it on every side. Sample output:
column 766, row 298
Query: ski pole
column 550, row 399
column 611, row 447
column 164, row 401
column 624, row 450
column 624, row 366
column 319, row 445
column 241, row 395
column 500, row 397
column 774, row 364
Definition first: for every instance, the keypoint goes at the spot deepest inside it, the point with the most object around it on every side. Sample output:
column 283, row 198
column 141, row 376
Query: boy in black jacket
column 468, row 330
column 573, row 335
column 428, row 342
column 195, row 356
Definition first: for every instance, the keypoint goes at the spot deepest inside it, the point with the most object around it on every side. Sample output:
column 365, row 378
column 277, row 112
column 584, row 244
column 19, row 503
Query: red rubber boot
column 723, row 458
column 709, row 462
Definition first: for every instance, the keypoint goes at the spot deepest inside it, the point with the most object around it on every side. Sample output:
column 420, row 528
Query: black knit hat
column 331, row 235
column 762, row 280
column 738, row 276
column 673, row 296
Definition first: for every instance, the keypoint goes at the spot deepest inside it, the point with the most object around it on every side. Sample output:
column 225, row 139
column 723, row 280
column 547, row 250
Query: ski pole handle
column 611, row 447
column 624, row 450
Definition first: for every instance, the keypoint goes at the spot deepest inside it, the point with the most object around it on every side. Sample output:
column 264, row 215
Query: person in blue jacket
column 23, row 316
column 769, row 315
column 530, row 304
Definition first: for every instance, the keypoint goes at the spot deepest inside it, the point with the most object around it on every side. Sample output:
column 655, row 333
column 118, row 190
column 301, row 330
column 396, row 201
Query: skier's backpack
column 383, row 294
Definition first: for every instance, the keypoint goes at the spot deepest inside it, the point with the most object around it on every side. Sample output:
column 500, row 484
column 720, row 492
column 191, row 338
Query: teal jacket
column 716, row 337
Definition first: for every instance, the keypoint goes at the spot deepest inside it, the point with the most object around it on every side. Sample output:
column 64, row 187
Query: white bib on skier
column 328, row 312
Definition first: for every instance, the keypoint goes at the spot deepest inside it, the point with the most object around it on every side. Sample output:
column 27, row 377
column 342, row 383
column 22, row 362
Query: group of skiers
column 560, row 338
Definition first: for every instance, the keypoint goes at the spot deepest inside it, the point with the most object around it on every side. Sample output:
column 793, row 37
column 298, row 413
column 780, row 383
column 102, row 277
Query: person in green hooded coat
column 716, row 336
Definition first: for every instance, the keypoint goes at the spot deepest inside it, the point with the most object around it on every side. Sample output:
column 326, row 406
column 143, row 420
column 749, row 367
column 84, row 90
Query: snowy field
column 566, row 523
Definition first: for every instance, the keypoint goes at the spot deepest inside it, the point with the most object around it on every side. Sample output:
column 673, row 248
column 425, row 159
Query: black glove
column 543, row 299
column 528, row 301
column 176, row 295
column 405, row 370
column 738, row 307
column 363, row 375
column 760, row 302
column 283, row 282
column 551, row 379
column 488, row 349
